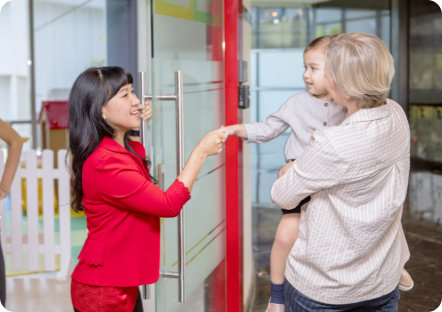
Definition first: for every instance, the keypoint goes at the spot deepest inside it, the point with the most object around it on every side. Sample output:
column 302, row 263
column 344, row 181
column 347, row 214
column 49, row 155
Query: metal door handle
column 178, row 98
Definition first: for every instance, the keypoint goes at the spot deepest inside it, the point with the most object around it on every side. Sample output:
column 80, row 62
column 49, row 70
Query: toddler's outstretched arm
column 238, row 130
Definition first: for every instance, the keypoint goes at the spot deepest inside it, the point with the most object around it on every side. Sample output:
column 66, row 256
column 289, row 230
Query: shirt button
column 324, row 123
column 325, row 104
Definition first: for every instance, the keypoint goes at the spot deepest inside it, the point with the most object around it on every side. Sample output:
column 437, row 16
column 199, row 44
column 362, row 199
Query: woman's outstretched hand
column 212, row 143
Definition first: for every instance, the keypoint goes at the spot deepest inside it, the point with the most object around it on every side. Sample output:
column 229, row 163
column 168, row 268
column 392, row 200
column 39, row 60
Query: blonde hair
column 362, row 68
column 319, row 43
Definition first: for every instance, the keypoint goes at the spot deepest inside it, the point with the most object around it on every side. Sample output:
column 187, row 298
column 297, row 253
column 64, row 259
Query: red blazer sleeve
column 122, row 183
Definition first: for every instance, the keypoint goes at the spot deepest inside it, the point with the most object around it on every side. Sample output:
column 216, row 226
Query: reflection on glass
column 367, row 25
column 279, row 27
column 328, row 15
column 200, row 58
column 426, row 83
column 425, row 112
column 357, row 14
column 328, row 29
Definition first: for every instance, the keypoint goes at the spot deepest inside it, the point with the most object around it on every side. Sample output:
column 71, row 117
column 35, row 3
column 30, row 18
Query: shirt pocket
column 92, row 252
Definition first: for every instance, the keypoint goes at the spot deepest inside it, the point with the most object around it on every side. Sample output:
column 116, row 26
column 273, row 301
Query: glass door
column 186, row 37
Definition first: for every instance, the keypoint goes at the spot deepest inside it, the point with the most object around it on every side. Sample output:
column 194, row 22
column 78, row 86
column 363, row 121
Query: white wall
column 14, row 56
column 68, row 38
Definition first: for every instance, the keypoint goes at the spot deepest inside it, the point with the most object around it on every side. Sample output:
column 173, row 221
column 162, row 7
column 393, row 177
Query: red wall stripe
column 234, row 230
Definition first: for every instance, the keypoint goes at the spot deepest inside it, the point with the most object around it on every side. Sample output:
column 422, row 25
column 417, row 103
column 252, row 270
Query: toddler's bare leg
column 285, row 237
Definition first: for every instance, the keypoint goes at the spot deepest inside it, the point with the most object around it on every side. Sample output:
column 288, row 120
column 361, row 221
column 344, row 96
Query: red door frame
column 234, row 225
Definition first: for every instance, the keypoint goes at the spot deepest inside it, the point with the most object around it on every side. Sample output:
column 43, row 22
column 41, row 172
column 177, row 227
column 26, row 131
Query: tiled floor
column 38, row 293
column 43, row 293
column 425, row 264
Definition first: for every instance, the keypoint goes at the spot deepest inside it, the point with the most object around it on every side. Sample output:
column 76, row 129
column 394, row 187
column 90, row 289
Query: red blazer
column 123, row 209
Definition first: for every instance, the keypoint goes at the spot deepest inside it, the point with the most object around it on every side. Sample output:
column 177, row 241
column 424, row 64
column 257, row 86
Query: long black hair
column 90, row 92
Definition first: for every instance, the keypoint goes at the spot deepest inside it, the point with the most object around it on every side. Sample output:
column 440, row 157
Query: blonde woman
column 351, row 247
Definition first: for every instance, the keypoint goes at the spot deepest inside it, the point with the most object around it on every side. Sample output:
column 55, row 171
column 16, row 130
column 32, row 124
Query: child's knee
column 286, row 237
column 289, row 223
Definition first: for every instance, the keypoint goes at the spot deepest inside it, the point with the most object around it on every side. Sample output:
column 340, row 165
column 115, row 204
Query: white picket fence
column 29, row 240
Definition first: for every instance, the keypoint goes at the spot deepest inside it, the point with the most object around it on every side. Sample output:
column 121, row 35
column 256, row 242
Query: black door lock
column 244, row 96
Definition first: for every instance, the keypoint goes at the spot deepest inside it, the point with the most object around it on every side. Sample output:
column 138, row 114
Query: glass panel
column 328, row 15
column 277, row 64
column 277, row 73
column 270, row 101
column 425, row 113
column 200, row 58
column 328, row 29
column 267, row 158
column 367, row 25
column 279, row 27
column 276, row 68
column 353, row 13
column 253, row 63
column 385, row 30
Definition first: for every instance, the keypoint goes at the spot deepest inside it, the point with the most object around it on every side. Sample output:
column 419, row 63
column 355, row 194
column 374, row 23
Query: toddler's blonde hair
column 319, row 43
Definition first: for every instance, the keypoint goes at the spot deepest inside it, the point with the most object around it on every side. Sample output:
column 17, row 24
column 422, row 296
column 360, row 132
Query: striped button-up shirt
column 351, row 246
column 303, row 113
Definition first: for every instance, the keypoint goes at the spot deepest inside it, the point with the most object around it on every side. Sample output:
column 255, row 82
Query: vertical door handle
column 178, row 98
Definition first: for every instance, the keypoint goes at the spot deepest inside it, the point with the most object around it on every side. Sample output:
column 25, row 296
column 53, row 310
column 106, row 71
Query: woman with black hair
column 112, row 185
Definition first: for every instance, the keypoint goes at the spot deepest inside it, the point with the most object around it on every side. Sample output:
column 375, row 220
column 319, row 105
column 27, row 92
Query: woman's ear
column 103, row 114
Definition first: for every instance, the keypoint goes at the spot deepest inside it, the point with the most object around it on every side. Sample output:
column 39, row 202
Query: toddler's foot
column 406, row 282
column 275, row 307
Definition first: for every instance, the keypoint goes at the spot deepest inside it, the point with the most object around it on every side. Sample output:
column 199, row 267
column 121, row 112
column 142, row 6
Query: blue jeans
column 297, row 302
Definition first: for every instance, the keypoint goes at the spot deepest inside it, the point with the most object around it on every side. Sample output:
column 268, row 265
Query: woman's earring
column 104, row 116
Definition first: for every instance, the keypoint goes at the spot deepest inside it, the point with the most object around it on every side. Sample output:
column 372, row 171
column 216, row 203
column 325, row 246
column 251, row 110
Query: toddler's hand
column 228, row 131
column 284, row 169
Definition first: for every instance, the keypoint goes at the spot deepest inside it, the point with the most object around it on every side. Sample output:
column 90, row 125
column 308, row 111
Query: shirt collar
column 112, row 145
column 322, row 101
column 368, row 114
